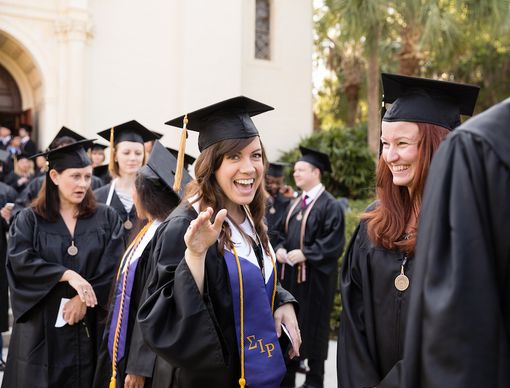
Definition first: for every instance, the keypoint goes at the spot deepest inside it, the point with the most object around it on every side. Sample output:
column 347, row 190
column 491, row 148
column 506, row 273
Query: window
column 262, row 29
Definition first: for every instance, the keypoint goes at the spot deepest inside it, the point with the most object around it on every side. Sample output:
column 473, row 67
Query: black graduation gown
column 194, row 333
column 102, row 196
column 7, row 194
column 274, row 218
column 138, row 358
column 323, row 245
column 372, row 323
column 41, row 355
column 458, row 332
column 29, row 147
column 31, row 191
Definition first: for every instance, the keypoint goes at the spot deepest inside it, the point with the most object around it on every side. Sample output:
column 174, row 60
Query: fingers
column 296, row 340
column 278, row 324
column 220, row 219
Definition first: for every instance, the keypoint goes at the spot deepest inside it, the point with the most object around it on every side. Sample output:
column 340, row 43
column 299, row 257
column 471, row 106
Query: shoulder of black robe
column 101, row 193
column 324, row 249
column 30, row 192
column 459, row 319
column 8, row 193
column 96, row 183
column 356, row 366
column 30, row 277
column 174, row 311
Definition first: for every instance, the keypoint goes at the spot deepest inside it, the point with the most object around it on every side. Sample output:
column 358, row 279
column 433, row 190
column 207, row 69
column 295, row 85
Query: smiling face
column 129, row 155
column 72, row 183
column 400, row 150
column 240, row 174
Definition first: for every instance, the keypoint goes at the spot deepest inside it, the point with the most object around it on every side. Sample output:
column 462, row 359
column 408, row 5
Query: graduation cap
column 316, row 158
column 129, row 131
column 22, row 156
column 423, row 100
column 161, row 168
column 276, row 169
column 97, row 146
column 66, row 132
column 68, row 156
column 157, row 135
column 228, row 119
column 26, row 127
column 188, row 159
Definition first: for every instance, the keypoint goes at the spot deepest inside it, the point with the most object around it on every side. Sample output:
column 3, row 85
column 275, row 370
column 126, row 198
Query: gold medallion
column 272, row 210
column 128, row 224
column 401, row 282
column 72, row 249
column 299, row 217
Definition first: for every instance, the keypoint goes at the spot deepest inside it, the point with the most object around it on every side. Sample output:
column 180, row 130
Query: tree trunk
column 373, row 82
column 409, row 56
column 352, row 95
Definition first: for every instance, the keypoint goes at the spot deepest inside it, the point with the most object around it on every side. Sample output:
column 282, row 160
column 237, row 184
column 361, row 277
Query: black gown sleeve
column 330, row 242
column 175, row 320
column 458, row 332
column 105, row 271
column 31, row 277
column 356, row 366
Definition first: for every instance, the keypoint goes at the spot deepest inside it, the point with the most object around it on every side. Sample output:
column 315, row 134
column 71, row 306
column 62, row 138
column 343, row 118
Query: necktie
column 303, row 201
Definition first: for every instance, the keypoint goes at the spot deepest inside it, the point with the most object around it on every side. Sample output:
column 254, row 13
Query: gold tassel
column 111, row 162
column 180, row 156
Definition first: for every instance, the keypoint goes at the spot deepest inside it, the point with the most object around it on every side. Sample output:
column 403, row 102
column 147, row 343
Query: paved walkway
column 329, row 381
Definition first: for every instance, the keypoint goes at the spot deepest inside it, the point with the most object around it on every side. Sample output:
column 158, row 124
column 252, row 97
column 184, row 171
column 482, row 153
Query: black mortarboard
column 97, row 146
column 68, row 156
column 157, row 135
column 129, row 131
column 276, row 169
column 22, row 156
column 100, row 170
column 229, row 119
column 64, row 131
column 316, row 158
column 188, row 159
column 423, row 100
column 161, row 167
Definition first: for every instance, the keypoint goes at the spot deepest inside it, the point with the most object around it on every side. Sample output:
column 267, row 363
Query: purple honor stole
column 264, row 365
column 124, row 310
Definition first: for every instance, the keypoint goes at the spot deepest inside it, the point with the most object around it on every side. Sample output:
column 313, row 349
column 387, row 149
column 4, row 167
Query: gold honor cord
column 180, row 156
column 111, row 162
column 242, row 380
column 124, row 263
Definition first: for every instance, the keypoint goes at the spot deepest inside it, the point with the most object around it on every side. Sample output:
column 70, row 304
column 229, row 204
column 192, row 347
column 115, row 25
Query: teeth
column 399, row 168
column 245, row 181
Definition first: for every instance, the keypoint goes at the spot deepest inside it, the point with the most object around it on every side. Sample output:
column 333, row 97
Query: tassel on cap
column 111, row 162
column 180, row 156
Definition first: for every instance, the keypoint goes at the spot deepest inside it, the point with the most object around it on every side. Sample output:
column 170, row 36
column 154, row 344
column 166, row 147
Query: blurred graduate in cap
column 62, row 253
column 64, row 136
column 313, row 240
column 278, row 200
column 28, row 147
column 377, row 273
column 98, row 157
column 124, row 359
column 215, row 308
column 22, row 174
column 127, row 156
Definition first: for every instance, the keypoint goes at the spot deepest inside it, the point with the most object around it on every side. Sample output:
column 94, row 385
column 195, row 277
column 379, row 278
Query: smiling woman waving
column 378, row 266
column 215, row 309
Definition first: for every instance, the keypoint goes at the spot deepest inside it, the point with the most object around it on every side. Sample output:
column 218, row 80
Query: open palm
column 201, row 233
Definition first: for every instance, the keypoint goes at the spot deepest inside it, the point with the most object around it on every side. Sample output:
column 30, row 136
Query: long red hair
column 387, row 222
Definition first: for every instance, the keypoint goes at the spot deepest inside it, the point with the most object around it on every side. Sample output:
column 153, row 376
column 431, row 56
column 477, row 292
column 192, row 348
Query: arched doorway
column 11, row 112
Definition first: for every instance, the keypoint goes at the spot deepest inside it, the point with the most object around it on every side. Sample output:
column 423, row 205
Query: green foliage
column 351, row 161
column 356, row 207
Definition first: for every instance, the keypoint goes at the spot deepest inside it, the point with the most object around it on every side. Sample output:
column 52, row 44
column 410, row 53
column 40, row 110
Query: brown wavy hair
column 209, row 193
column 387, row 223
column 85, row 208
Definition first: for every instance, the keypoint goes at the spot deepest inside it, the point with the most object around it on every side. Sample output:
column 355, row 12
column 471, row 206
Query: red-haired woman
column 377, row 271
